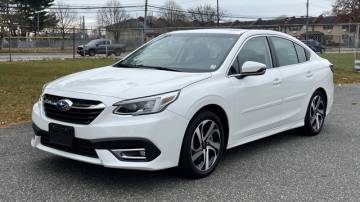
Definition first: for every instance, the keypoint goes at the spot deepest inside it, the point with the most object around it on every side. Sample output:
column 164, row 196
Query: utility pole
column 9, row 27
column 38, row 21
column 218, row 14
column 145, row 21
column 83, row 20
column 171, row 11
column 307, row 21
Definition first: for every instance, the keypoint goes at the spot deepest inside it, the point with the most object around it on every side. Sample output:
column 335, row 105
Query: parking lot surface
column 284, row 167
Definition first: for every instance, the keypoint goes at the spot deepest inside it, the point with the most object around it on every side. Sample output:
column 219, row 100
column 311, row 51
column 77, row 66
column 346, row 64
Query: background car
column 315, row 45
column 101, row 46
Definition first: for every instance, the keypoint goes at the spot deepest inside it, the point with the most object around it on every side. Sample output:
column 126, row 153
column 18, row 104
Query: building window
column 295, row 28
column 352, row 27
column 328, row 27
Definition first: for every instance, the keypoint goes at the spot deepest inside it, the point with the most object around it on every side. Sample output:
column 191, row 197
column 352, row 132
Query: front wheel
column 203, row 145
column 117, row 52
column 92, row 52
column 315, row 115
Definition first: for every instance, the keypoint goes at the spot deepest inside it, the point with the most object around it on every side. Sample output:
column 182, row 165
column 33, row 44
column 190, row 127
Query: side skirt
column 268, row 133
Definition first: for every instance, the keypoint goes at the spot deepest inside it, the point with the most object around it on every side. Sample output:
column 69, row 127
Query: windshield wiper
column 125, row 65
column 158, row 68
column 146, row 67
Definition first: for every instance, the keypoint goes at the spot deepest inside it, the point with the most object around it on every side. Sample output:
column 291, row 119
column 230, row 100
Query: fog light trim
column 130, row 154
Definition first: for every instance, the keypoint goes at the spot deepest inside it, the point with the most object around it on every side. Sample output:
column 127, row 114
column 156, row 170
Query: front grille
column 80, row 146
column 81, row 111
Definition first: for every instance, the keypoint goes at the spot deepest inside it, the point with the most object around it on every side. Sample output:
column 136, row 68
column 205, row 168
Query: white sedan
column 183, row 98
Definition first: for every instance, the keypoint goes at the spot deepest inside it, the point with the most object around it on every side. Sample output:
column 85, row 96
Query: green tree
column 31, row 15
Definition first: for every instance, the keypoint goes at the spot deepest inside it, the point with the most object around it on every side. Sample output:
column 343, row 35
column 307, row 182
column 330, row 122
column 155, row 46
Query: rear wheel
column 117, row 52
column 315, row 115
column 203, row 145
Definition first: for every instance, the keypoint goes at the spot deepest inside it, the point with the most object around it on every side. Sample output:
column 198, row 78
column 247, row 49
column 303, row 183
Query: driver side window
column 255, row 50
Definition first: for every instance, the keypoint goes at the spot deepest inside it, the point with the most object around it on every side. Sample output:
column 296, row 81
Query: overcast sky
column 256, row 8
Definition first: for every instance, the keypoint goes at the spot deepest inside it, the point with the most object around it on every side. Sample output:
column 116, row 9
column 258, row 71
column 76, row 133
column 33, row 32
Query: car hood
column 125, row 83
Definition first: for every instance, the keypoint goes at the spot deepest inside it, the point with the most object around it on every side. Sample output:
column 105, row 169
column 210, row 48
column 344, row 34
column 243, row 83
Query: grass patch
column 344, row 67
column 21, row 83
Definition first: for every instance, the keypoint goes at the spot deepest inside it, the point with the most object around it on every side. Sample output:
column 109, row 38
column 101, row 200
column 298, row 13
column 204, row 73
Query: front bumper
column 80, row 52
column 163, row 131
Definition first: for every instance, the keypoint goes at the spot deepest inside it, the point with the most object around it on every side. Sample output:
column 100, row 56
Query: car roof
column 212, row 31
column 230, row 31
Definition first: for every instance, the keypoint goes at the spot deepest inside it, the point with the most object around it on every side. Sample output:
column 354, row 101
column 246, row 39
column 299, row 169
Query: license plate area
column 61, row 135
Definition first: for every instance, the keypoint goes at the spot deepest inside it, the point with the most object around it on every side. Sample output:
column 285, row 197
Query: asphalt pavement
column 284, row 167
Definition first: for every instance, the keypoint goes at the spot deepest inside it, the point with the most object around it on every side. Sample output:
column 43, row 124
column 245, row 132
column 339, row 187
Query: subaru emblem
column 64, row 105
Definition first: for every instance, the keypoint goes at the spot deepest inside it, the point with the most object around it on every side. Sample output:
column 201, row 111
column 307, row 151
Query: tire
column 195, row 148
column 315, row 115
column 117, row 52
column 92, row 52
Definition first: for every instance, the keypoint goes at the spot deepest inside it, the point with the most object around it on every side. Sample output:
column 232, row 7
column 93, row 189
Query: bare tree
column 66, row 19
column 172, row 12
column 204, row 14
column 348, row 9
column 112, row 16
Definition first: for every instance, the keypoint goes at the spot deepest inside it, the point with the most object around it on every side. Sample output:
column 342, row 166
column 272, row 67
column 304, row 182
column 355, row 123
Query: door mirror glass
column 250, row 68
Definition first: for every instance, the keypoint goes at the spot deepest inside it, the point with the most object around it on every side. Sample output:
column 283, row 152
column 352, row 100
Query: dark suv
column 315, row 45
column 100, row 46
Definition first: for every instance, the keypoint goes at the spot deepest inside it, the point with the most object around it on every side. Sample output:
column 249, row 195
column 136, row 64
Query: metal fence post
column 10, row 56
column 106, row 51
column 73, row 42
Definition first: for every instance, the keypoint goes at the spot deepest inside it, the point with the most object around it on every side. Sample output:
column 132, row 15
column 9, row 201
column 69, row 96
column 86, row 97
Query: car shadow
column 109, row 178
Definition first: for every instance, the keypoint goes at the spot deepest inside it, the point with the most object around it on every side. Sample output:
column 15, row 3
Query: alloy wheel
column 317, row 113
column 205, row 145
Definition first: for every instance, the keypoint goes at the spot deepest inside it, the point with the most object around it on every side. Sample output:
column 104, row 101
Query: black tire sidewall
column 117, row 52
column 185, row 163
column 308, row 128
column 92, row 52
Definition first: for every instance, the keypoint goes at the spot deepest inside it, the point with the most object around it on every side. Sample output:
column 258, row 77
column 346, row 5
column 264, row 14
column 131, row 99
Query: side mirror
column 251, row 68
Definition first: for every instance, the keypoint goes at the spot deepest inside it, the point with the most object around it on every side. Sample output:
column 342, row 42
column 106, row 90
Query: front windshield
column 183, row 52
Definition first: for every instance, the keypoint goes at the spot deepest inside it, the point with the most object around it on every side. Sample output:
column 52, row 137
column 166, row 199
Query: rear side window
column 285, row 51
column 301, row 53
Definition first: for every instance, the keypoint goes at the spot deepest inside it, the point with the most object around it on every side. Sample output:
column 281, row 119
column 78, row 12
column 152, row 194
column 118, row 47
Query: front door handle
column 277, row 81
column 309, row 74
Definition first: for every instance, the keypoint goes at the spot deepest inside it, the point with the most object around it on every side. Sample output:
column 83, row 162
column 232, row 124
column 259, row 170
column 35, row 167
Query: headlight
column 42, row 91
column 146, row 105
column 44, row 86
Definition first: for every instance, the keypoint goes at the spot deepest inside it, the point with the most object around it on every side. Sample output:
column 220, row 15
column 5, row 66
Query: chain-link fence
column 335, row 38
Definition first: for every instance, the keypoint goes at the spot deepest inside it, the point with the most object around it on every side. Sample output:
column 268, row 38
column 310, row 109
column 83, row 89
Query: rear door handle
column 309, row 74
column 277, row 81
